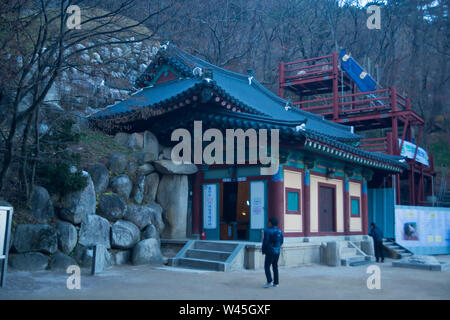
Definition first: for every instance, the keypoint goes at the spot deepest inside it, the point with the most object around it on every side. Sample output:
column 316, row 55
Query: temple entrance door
column 235, row 215
column 327, row 198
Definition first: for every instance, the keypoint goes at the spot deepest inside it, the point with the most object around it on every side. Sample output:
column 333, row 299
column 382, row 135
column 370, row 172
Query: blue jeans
column 271, row 260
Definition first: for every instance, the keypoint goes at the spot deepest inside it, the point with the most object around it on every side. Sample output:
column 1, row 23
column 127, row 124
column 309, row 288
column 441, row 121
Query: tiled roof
column 261, row 104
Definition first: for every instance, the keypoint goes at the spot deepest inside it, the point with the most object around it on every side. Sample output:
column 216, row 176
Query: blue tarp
column 362, row 79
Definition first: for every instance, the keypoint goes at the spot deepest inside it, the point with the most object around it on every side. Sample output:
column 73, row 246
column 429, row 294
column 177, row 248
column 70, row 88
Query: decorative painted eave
column 357, row 156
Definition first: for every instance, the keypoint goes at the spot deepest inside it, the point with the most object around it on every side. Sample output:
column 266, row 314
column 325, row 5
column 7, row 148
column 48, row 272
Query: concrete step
column 359, row 263
column 347, row 261
column 406, row 254
column 215, row 246
column 207, row 254
column 348, row 252
column 201, row 264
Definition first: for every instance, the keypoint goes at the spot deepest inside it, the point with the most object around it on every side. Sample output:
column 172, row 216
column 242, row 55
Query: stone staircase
column 352, row 255
column 395, row 250
column 210, row 255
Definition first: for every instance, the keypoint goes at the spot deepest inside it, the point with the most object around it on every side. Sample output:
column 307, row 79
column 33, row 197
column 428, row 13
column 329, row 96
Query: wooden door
column 327, row 198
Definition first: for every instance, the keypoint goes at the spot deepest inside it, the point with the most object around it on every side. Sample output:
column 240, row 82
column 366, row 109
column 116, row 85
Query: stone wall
column 127, row 205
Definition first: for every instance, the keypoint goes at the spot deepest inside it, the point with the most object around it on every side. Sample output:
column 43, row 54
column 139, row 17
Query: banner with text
column 423, row 230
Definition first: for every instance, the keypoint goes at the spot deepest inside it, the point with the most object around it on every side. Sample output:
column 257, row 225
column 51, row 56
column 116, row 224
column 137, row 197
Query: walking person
column 272, row 241
column 377, row 235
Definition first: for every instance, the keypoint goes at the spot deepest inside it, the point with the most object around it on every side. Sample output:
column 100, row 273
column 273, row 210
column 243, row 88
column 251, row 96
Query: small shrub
column 58, row 179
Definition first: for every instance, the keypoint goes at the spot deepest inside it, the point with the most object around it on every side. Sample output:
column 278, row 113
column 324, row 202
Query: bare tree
column 39, row 46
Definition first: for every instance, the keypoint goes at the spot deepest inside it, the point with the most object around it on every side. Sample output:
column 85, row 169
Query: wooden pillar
column 365, row 203
column 307, row 203
column 335, row 87
column 346, row 205
column 197, row 204
column 397, row 188
column 276, row 198
column 394, row 121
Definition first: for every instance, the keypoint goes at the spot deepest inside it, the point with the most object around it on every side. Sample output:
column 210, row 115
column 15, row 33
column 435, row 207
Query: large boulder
column 173, row 197
column 135, row 141
column 61, row 262
column 35, row 237
column 122, row 257
column 67, row 236
column 121, row 138
column 94, row 230
column 147, row 252
column 157, row 215
column 117, row 163
column 132, row 168
column 124, row 235
column 151, row 187
column 111, row 206
column 100, row 177
column 150, row 232
column 32, row 261
column 85, row 257
column 151, row 144
column 144, row 157
column 138, row 189
column 41, row 205
column 169, row 167
column 142, row 216
column 77, row 205
column 145, row 169
column 166, row 153
column 122, row 185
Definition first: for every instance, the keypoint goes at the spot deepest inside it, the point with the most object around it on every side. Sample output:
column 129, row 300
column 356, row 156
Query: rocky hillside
column 130, row 201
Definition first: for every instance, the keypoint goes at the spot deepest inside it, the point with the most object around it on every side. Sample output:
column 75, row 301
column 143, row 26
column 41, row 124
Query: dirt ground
column 306, row 282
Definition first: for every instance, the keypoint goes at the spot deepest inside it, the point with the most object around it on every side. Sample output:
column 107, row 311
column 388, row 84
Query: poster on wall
column 209, row 206
column 257, row 205
column 423, row 230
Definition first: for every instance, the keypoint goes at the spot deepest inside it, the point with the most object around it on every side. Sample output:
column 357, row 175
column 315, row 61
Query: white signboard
column 3, row 227
column 423, row 230
column 209, row 206
column 409, row 149
column 257, row 204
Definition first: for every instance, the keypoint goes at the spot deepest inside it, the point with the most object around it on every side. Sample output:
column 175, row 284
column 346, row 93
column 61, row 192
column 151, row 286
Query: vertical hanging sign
column 209, row 206
column 257, row 202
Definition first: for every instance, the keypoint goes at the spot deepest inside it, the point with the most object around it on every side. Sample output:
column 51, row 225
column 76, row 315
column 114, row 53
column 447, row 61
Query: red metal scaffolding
column 318, row 85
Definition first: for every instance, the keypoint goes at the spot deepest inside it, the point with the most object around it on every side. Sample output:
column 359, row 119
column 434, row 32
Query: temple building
column 320, row 187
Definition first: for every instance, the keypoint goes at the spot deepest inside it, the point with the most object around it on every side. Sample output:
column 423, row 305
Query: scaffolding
column 320, row 86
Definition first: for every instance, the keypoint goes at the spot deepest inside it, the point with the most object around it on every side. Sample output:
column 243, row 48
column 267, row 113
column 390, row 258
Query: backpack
column 276, row 239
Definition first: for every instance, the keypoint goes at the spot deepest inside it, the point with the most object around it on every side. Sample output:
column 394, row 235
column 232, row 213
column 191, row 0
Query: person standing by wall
column 272, row 242
column 377, row 235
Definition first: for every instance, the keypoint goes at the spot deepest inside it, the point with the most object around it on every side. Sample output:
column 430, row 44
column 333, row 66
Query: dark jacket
column 273, row 239
column 376, row 234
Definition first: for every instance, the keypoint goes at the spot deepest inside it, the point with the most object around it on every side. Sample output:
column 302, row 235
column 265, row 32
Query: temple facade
column 319, row 187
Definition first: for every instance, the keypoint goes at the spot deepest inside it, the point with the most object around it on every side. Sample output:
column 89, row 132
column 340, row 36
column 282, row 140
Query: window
column 355, row 207
column 292, row 201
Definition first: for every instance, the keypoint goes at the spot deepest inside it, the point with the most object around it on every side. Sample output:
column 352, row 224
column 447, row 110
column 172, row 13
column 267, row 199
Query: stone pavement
column 307, row 282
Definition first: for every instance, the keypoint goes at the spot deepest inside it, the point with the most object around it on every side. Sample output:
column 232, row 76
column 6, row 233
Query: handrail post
column 408, row 103
column 394, row 99
column 335, row 87
column 280, row 79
